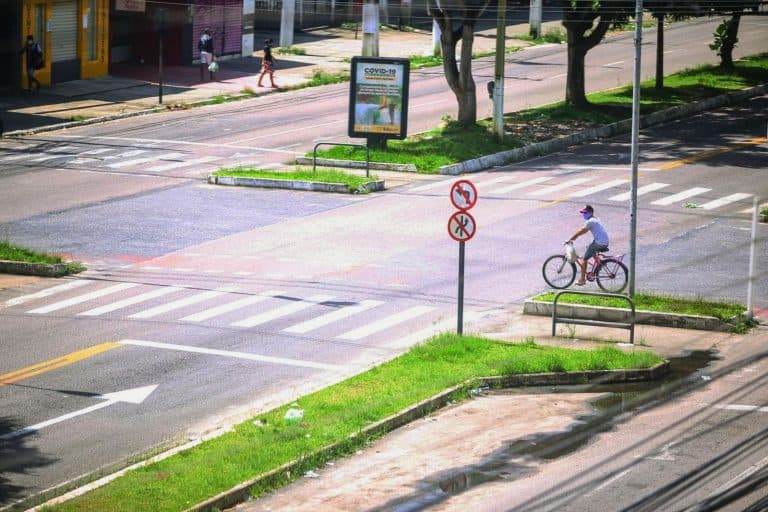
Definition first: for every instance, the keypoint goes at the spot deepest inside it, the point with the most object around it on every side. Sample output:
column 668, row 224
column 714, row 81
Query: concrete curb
column 33, row 269
column 704, row 323
column 314, row 186
column 357, row 164
column 602, row 132
column 240, row 493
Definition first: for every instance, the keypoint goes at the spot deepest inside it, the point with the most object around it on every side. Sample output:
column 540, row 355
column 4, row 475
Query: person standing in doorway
column 268, row 64
column 34, row 60
column 205, row 45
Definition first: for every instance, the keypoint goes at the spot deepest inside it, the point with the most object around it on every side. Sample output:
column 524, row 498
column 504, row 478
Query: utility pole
column 635, row 138
column 498, row 83
column 370, row 29
column 534, row 19
column 287, row 17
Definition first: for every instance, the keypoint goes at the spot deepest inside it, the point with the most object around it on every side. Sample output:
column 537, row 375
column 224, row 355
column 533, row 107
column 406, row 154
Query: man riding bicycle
column 599, row 240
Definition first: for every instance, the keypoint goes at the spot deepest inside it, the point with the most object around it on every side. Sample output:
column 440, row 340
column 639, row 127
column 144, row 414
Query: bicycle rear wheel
column 612, row 275
column 558, row 272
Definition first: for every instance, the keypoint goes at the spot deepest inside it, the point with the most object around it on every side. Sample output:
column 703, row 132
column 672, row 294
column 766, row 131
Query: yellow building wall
column 89, row 68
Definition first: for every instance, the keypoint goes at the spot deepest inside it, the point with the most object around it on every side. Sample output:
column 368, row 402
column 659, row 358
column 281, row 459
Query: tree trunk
column 729, row 43
column 459, row 77
column 660, row 51
column 575, row 92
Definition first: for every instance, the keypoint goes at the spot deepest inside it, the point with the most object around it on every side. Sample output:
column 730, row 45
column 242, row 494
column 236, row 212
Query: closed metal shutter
column 63, row 39
column 225, row 19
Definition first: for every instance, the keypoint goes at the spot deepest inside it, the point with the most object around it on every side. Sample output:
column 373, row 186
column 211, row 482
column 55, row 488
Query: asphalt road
column 229, row 300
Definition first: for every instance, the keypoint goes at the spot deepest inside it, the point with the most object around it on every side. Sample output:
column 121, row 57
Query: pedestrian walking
column 268, row 64
column 207, row 58
column 33, row 53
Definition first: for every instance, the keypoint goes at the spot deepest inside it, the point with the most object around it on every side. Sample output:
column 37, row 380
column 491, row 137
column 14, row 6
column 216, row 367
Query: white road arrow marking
column 131, row 396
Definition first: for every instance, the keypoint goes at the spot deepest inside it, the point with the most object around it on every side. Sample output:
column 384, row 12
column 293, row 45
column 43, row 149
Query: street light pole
column 498, row 85
column 635, row 137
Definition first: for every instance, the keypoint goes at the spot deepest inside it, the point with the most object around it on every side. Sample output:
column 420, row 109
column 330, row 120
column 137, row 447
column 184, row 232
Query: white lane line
column 734, row 482
column 97, row 151
column 523, row 184
column 430, row 186
column 685, row 194
column 230, row 353
column 177, row 304
column 559, row 186
column 46, row 157
column 285, row 310
column 385, row 323
column 16, row 157
column 126, row 154
column 724, row 201
column 557, row 76
column 640, row 191
column 176, row 165
column 608, row 482
column 45, row 293
column 63, row 149
column 82, row 298
column 613, row 63
column 130, row 301
column 739, row 407
column 191, row 143
column 333, row 316
column 231, row 306
column 598, row 188
column 137, row 161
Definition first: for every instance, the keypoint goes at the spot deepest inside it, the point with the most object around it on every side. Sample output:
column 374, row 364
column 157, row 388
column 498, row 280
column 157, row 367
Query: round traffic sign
column 463, row 194
column 461, row 226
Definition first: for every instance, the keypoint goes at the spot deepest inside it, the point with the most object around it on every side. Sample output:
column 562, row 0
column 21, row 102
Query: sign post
column 461, row 227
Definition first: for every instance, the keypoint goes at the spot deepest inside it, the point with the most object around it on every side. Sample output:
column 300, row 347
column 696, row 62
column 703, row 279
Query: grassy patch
column 291, row 50
column 764, row 211
column 352, row 181
column 12, row 252
column 431, row 150
column 661, row 303
column 332, row 415
column 553, row 35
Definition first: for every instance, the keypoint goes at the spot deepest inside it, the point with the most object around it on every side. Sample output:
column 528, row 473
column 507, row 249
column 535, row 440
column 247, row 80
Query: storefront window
column 92, row 30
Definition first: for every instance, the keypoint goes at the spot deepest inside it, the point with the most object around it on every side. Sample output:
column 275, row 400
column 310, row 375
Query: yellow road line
column 708, row 154
column 52, row 364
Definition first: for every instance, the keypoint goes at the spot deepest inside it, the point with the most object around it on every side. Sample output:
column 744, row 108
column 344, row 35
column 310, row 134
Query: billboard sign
column 378, row 97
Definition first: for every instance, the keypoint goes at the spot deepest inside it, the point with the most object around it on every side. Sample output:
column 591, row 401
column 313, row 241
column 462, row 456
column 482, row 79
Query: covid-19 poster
column 378, row 99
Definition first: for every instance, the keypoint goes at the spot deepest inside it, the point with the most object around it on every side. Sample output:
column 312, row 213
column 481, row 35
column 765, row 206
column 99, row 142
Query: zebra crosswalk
column 318, row 314
column 554, row 187
column 144, row 158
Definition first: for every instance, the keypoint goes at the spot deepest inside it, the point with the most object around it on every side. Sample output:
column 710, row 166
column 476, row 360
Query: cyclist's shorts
column 594, row 248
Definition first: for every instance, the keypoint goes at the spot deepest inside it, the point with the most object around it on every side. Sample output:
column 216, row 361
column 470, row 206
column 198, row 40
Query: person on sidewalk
column 268, row 64
column 599, row 242
column 205, row 45
column 34, row 60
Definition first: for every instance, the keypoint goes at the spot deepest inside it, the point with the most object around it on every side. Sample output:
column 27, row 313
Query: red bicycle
column 609, row 272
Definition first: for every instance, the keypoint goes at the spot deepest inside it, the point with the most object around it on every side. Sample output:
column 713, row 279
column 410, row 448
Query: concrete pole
column 436, row 48
column 752, row 244
column 370, row 29
column 635, row 149
column 287, row 17
column 498, row 87
column 534, row 19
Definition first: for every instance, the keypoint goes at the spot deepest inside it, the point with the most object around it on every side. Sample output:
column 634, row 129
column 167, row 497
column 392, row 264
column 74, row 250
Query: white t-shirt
column 365, row 113
column 598, row 231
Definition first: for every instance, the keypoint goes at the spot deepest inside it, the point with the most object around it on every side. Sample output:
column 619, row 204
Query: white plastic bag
column 570, row 253
column 213, row 67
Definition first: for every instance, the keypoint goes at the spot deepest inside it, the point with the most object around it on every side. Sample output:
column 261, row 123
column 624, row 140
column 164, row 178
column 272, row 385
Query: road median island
column 276, row 447
column 19, row 260
column 658, row 310
column 318, row 181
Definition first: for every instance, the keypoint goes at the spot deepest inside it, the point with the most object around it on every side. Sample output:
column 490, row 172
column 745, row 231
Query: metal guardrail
column 604, row 323
column 367, row 154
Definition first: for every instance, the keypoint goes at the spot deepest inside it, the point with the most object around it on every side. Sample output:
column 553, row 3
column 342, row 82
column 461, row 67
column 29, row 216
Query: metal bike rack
column 604, row 323
column 367, row 154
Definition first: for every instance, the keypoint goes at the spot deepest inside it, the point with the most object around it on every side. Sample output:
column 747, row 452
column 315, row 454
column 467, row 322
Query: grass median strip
column 333, row 416
column 13, row 252
column 353, row 182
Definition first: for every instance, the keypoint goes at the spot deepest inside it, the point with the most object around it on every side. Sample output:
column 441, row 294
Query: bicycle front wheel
column 558, row 272
column 612, row 275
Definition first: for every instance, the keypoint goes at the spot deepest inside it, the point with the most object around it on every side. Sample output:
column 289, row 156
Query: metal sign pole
column 460, row 316
column 752, row 243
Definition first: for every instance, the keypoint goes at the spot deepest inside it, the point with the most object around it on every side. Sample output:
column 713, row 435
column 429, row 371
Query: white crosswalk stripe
column 46, row 157
column 482, row 184
column 178, row 304
column 640, row 191
column 598, row 188
column 333, row 316
column 82, row 298
column 385, row 323
column 207, row 314
column 282, row 311
column 126, row 154
column 97, row 151
column 685, row 194
column 137, row 299
column 186, row 163
column 558, row 187
column 431, row 185
column 143, row 160
column 523, row 184
column 45, row 293
column 717, row 203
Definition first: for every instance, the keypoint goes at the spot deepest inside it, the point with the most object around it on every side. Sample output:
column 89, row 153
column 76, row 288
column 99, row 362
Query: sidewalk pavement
column 133, row 88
